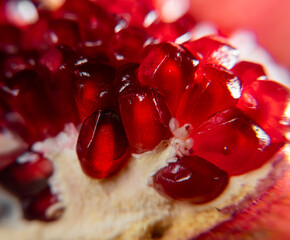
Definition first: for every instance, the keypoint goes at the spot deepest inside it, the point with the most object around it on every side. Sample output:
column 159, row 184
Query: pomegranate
column 129, row 125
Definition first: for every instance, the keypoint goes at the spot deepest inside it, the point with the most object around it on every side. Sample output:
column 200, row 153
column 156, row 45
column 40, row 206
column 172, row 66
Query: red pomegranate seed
column 143, row 111
column 46, row 206
column 9, row 39
column 7, row 158
column 94, row 88
column 127, row 45
column 51, row 32
column 102, row 145
column 61, row 86
column 95, row 24
column 26, row 96
column 214, row 50
column 248, row 72
column 267, row 102
column 16, row 63
column 233, row 142
column 172, row 31
column 126, row 77
column 170, row 69
column 28, row 175
column 214, row 89
column 191, row 179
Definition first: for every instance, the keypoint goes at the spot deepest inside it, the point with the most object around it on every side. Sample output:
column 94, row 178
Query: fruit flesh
column 172, row 68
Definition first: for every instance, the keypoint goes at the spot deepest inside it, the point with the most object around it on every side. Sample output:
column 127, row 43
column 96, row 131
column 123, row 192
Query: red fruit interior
column 110, row 67
column 191, row 179
column 102, row 146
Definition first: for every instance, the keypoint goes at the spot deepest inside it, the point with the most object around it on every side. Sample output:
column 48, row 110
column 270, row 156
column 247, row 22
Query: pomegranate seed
column 45, row 206
column 126, row 78
column 172, row 31
column 267, row 102
column 9, row 39
column 191, row 179
column 61, row 86
column 46, row 33
column 248, row 72
column 170, row 69
column 233, row 142
column 142, row 111
column 94, row 88
column 214, row 89
column 7, row 158
column 95, row 24
column 214, row 50
column 102, row 146
column 127, row 45
column 16, row 63
column 26, row 95
column 28, row 175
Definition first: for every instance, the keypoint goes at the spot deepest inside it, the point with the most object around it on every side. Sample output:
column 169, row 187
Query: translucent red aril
column 233, row 142
column 8, row 158
column 248, row 72
column 96, row 26
column 191, row 179
column 172, row 31
column 45, row 206
column 145, row 118
column 25, row 94
column 9, row 39
column 61, row 85
column 126, row 78
column 213, row 49
column 214, row 89
column 102, row 145
column 28, row 175
column 268, row 103
column 127, row 45
column 94, row 88
column 46, row 33
column 168, row 68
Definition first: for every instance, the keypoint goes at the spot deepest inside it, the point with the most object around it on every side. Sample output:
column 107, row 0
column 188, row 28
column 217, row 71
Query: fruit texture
column 126, row 82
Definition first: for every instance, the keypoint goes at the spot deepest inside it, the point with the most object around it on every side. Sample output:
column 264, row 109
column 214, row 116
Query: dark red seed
column 172, row 31
column 214, row 89
column 127, row 45
column 267, row 102
column 102, row 145
column 45, row 206
column 7, row 158
column 145, row 118
column 213, row 50
column 94, row 88
column 168, row 68
column 248, row 72
column 51, row 32
column 9, row 39
column 61, row 85
column 191, row 179
column 28, row 175
column 30, row 106
column 233, row 142
column 126, row 77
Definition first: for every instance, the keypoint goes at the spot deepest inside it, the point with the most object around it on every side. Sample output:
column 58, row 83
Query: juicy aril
column 132, row 135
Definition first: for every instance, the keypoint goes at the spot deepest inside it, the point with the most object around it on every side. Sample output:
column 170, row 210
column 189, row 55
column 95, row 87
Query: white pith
column 125, row 206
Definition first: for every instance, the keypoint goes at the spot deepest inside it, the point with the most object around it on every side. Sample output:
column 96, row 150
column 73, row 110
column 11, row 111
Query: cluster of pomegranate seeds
column 115, row 68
